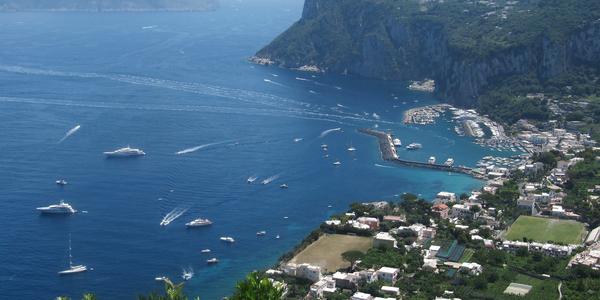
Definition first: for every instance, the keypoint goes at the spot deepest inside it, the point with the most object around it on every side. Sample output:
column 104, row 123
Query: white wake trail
column 271, row 179
column 194, row 149
column 70, row 133
column 172, row 215
column 328, row 131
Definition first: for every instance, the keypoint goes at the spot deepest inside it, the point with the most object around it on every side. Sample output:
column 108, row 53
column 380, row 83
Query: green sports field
column 546, row 229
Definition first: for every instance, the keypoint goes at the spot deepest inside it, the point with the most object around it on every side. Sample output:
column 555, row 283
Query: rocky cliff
column 463, row 46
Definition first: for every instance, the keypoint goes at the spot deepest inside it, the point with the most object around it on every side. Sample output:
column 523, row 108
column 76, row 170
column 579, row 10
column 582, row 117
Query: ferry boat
column 227, row 239
column 199, row 223
column 61, row 208
column 431, row 160
column 449, row 162
column 397, row 142
column 414, row 146
column 125, row 152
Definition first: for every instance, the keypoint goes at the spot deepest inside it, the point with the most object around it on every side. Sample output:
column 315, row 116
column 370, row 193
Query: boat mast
column 70, row 256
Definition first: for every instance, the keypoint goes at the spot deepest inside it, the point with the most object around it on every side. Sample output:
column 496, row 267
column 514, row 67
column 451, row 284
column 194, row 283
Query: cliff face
column 367, row 38
column 107, row 5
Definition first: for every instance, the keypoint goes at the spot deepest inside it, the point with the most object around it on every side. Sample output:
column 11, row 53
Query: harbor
column 389, row 153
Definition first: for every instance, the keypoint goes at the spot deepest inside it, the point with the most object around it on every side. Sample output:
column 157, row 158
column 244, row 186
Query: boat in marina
column 73, row 269
column 397, row 142
column 431, row 160
column 227, row 239
column 414, row 146
column 449, row 162
column 125, row 152
column 199, row 223
column 61, row 208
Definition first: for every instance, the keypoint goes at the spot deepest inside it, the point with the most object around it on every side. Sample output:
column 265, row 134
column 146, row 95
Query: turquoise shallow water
column 166, row 82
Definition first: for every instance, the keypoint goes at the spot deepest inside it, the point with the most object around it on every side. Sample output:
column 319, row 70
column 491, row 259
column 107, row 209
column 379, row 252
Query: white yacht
column 61, row 208
column 61, row 182
column 161, row 278
column 125, row 152
column 227, row 239
column 261, row 233
column 337, row 163
column 213, row 260
column 251, row 179
column 277, row 236
column 397, row 142
column 414, row 146
column 72, row 269
column 205, row 251
column 199, row 223
column 449, row 162
column 284, row 186
column 351, row 149
column 431, row 160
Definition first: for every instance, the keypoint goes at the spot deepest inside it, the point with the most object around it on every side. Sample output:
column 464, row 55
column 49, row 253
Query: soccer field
column 327, row 251
column 546, row 229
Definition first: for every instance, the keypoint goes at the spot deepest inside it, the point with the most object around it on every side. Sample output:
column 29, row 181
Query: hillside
column 107, row 5
column 464, row 45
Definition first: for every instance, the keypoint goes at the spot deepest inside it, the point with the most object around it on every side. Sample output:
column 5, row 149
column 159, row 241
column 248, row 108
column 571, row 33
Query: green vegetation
column 257, row 287
column 583, row 177
column 546, row 230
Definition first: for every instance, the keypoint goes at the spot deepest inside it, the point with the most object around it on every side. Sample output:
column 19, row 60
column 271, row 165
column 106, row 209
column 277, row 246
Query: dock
column 388, row 153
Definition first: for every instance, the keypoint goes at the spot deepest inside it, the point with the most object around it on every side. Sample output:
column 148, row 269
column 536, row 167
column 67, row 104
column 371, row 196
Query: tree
column 257, row 287
column 172, row 292
column 352, row 256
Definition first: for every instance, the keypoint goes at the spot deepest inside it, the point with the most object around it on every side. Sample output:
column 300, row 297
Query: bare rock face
column 368, row 38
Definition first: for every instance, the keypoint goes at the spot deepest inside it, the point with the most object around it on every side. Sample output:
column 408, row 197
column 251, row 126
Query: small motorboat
column 61, row 182
column 205, row 251
column 277, row 236
column 284, row 186
column 161, row 278
column 261, row 233
column 337, row 163
column 187, row 274
column 213, row 260
column 227, row 239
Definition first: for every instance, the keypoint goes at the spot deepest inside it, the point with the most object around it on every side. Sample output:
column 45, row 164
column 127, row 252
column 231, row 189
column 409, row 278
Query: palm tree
column 172, row 292
column 257, row 287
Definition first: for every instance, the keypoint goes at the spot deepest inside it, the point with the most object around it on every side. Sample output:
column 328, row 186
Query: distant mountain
column 108, row 5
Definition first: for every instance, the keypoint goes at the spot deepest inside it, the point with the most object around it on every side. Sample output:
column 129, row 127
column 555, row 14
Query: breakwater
column 389, row 153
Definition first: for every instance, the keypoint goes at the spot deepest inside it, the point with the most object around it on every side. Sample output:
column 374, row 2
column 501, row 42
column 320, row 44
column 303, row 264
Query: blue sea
column 181, row 82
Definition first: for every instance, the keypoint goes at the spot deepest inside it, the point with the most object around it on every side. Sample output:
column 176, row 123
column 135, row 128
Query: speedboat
column 324, row 146
column 284, row 186
column 251, row 179
column 187, row 274
column 61, row 208
column 296, row 140
column 414, row 146
column 261, row 233
column 227, row 239
column 199, row 223
column 431, row 160
column 337, row 163
column 61, row 182
column 161, row 278
column 277, row 236
column 213, row 260
column 397, row 142
column 351, row 149
column 205, row 251
column 125, row 152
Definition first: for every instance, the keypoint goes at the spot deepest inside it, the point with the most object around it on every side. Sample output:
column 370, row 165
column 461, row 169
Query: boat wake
column 273, row 82
column 382, row 166
column 270, row 179
column 194, row 149
column 70, row 133
column 173, row 215
column 187, row 274
column 328, row 131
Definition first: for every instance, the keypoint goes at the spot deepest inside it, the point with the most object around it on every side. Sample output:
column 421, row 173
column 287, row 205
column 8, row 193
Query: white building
column 322, row 287
column 384, row 240
column 445, row 197
column 388, row 274
column 307, row 271
column 362, row 296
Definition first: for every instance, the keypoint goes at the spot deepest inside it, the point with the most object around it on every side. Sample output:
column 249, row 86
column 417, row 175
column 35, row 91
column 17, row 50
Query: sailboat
column 72, row 269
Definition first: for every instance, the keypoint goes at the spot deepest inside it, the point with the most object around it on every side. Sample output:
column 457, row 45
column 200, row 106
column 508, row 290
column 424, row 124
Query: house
column 388, row 274
column 526, row 204
column 322, row 287
column 445, row 197
column 373, row 223
column 558, row 211
column 384, row 240
column 362, row 296
column 307, row 271
column 390, row 290
column 395, row 219
column 346, row 280
column 441, row 209
column 461, row 211
column 471, row 268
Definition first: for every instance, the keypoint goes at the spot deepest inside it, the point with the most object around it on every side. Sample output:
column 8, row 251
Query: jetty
column 389, row 153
